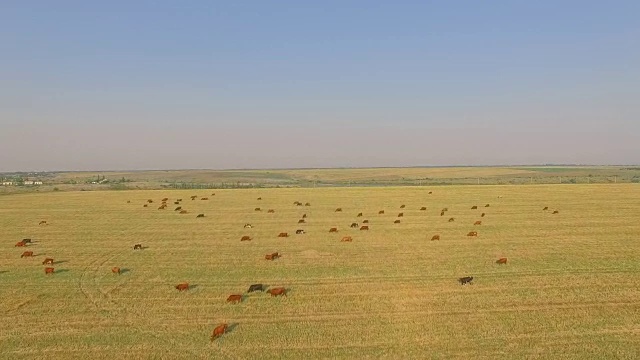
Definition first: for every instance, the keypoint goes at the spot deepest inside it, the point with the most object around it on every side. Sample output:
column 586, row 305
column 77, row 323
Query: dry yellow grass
column 568, row 291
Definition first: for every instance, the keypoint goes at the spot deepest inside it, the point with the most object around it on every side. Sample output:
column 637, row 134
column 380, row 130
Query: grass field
column 570, row 290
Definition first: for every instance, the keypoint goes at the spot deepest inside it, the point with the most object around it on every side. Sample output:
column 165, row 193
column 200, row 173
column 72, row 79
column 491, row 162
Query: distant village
column 21, row 182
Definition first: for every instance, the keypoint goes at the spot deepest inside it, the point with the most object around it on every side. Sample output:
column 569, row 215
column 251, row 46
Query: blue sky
column 90, row 85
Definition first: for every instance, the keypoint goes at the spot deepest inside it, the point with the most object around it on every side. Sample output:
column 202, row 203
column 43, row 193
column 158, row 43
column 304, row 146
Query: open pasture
column 569, row 290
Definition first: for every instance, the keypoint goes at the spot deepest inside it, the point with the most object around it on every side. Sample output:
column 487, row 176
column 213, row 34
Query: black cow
column 354, row 225
column 299, row 231
column 26, row 241
column 256, row 287
column 465, row 280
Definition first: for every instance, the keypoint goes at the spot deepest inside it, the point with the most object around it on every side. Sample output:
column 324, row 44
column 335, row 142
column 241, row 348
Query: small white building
column 28, row 182
column 37, row 183
column 7, row 183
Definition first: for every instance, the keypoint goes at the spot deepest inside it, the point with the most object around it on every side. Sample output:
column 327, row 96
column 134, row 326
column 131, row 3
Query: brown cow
column 283, row 234
column 178, row 199
column 452, row 219
column 400, row 214
column 194, row 197
column 477, row 222
column 442, row 213
column 47, row 261
column 273, row 256
column 423, row 208
column 304, row 216
column 48, row 270
column 501, row 261
column 115, row 270
column 200, row 216
column 435, row 237
column 359, row 215
column 165, row 199
column 259, row 198
column 246, row 238
column 145, row 205
column 364, row 227
column 257, row 209
column 176, row 202
column 277, row 291
column 472, row 233
column 346, row 238
column 270, row 211
column 381, row 212
column 183, row 212
column 338, row 210
column 301, row 221
column 137, row 247
column 401, row 206
column 299, row 231
column 162, row 207
column 150, row 201
column 307, row 204
column 182, row 286
column 397, row 222
column 20, row 244
column 42, row 223
column 333, row 230
column 482, row 215
column 296, row 202
column 556, row 211
column 546, row 208
column 27, row 254
column 486, row 205
column 365, row 221
column 234, row 299
column 354, row 225
column 474, row 207
column 445, row 209
column 178, row 208
column 430, row 192
column 219, row 331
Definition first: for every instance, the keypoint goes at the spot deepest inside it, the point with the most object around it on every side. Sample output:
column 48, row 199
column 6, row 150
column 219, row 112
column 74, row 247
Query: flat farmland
column 570, row 288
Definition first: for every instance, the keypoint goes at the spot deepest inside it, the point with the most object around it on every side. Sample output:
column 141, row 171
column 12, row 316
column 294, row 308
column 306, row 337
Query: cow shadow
column 124, row 271
column 193, row 287
column 231, row 327
column 61, row 271
column 3, row 271
column 60, row 262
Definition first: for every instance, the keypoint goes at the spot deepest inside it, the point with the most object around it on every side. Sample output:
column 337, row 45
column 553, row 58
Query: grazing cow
column 401, row 206
column 27, row 254
column 301, row 221
column 246, row 238
column 178, row 208
column 546, row 208
column 247, row 226
column 150, row 201
column 165, row 199
column 359, row 215
column 333, row 229
column 299, row 204
column 279, row 291
column 381, row 212
column 442, row 213
column 338, row 210
column 200, row 216
column 472, row 233
column 271, row 211
column 128, row 201
column 445, row 209
column 397, row 222
column 47, row 261
column 42, row 222
column 296, row 202
column 486, row 205
column 176, row 202
column 452, row 219
column 257, row 209
column 183, row 286
column 430, row 192
column 482, row 215
column 20, row 244
column 365, row 221
column 259, row 198
column 145, row 205
column 354, row 225
column 48, row 270
column 213, row 194
column 115, row 270
column 178, row 199
column 501, row 261
column 273, row 256
column 364, row 227
column 205, row 198
column 474, row 207
column 435, row 237
column 256, row 287
column 304, row 216
column 307, row 204
column 465, row 280
column 194, row 197
column 477, row 222
column 283, row 234
column 423, row 208
column 219, row 331
column 235, row 298
column 556, row 211
column 183, row 212
column 26, row 241
column 347, row 239
column 137, row 247
column 400, row 214
column 162, row 207
column 299, row 231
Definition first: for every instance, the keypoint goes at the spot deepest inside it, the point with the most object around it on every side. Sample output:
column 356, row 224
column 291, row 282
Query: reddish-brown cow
column 219, row 331
column 115, row 270
column 364, row 227
column 435, row 237
column 182, row 286
column 246, row 238
column 346, row 238
column 234, row 299
column 48, row 270
column 333, row 230
column 283, row 234
column 27, row 254
column 277, row 291
column 47, row 261
column 477, row 222
column 501, row 261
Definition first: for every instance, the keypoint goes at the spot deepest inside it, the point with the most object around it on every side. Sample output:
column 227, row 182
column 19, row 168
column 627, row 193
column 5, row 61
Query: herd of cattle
column 221, row 329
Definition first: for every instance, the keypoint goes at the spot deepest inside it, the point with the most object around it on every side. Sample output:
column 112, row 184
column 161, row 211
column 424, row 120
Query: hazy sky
column 97, row 85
